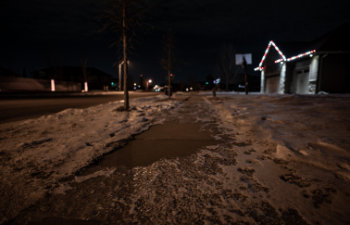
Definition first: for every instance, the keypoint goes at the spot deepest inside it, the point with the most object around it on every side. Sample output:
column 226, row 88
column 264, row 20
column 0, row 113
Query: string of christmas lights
column 297, row 56
column 279, row 60
column 301, row 55
column 283, row 59
column 267, row 51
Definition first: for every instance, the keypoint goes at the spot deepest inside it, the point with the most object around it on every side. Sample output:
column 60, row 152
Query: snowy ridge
column 36, row 153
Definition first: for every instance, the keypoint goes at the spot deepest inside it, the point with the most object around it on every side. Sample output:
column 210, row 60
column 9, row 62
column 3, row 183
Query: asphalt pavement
column 17, row 107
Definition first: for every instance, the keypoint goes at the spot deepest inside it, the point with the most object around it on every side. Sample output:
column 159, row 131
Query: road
column 21, row 108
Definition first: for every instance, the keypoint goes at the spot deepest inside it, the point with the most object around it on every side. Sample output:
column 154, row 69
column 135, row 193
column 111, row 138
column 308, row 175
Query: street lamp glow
column 150, row 81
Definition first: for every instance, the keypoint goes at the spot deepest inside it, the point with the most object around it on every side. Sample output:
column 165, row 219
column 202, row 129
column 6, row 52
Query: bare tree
column 125, row 57
column 227, row 64
column 123, row 17
column 244, row 65
column 168, row 60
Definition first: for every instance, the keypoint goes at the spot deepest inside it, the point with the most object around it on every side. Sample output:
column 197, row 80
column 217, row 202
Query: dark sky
column 40, row 33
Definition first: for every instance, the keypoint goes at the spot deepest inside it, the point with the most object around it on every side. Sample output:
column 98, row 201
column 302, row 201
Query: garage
column 272, row 83
column 300, row 78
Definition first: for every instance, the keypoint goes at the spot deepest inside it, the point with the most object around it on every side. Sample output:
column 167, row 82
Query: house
column 308, row 67
column 96, row 78
column 61, row 79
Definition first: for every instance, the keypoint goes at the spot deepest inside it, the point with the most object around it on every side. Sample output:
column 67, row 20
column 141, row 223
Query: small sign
column 247, row 56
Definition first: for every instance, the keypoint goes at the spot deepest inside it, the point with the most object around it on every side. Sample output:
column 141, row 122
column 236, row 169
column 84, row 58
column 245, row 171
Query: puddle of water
column 169, row 140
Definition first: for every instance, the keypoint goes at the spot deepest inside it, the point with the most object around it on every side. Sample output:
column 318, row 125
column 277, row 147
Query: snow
column 304, row 140
column 279, row 159
column 77, row 135
column 309, row 128
column 37, row 153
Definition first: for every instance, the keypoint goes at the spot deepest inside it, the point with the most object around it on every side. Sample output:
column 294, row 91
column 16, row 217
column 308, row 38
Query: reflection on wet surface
column 161, row 141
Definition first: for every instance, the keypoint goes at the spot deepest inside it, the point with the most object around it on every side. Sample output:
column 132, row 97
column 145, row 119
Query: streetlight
column 148, row 83
column 120, row 75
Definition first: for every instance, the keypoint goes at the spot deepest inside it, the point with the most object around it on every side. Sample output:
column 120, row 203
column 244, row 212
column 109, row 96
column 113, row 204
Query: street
column 23, row 108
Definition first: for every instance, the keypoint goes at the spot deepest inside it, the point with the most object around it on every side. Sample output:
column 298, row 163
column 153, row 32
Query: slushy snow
column 280, row 159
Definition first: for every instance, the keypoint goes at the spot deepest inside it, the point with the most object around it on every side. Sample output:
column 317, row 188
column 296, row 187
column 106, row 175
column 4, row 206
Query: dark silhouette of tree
column 123, row 17
column 244, row 66
column 227, row 64
column 83, row 61
column 168, row 60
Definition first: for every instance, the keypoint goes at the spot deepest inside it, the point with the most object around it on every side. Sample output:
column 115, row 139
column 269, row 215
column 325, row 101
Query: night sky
column 41, row 33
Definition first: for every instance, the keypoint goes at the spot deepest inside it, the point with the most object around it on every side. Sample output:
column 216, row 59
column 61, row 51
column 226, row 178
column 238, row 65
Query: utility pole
column 126, row 93
column 244, row 65
column 167, row 60
column 169, row 72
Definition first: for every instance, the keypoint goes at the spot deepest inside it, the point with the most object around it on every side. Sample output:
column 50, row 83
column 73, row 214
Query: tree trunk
column 244, row 65
column 169, row 72
column 227, row 82
column 126, row 93
column 246, row 82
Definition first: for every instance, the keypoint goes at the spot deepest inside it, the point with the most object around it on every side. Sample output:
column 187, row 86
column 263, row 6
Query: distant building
column 308, row 68
column 96, row 78
column 5, row 72
column 63, row 79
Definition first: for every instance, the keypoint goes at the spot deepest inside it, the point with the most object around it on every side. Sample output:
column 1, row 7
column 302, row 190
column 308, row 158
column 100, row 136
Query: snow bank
column 36, row 153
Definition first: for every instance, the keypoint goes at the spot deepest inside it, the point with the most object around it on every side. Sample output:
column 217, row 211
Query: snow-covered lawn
column 311, row 129
column 296, row 148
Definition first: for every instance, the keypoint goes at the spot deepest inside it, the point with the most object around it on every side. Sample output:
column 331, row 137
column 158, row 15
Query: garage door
column 272, row 84
column 301, row 81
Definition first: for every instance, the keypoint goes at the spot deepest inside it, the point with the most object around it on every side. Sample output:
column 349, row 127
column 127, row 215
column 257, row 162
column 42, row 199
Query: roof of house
column 336, row 40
